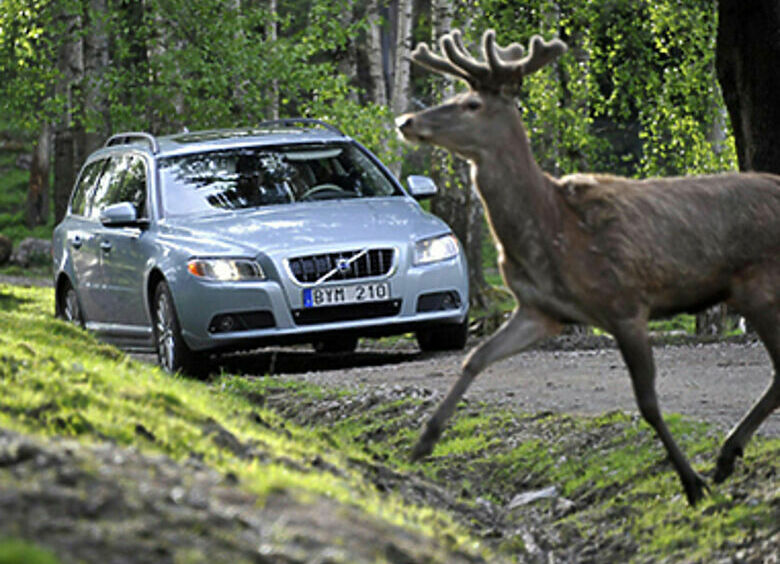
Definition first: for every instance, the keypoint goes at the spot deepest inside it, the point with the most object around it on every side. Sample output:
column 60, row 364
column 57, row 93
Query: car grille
column 375, row 262
column 329, row 314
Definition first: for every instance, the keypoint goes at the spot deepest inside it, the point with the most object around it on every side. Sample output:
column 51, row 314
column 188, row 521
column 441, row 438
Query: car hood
column 311, row 226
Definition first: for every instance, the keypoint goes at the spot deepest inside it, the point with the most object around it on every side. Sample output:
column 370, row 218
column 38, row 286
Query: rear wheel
column 336, row 344
column 68, row 307
column 172, row 352
column 450, row 337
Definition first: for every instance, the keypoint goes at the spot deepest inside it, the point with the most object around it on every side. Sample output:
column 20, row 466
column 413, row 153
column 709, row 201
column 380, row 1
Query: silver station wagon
column 289, row 232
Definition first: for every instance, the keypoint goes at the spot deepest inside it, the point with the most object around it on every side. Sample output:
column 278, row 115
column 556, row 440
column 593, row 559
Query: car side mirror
column 122, row 214
column 421, row 187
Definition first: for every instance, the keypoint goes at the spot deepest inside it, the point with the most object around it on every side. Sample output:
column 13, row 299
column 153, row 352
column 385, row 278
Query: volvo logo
column 343, row 265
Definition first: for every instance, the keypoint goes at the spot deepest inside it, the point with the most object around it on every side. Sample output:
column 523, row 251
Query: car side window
column 133, row 186
column 83, row 191
column 123, row 181
column 100, row 195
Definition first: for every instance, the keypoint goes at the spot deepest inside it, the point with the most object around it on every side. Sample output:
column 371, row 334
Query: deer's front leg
column 638, row 355
column 525, row 327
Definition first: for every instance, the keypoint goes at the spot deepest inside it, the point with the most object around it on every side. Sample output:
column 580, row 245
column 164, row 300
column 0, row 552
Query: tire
column 338, row 344
column 68, row 306
column 173, row 354
column 450, row 337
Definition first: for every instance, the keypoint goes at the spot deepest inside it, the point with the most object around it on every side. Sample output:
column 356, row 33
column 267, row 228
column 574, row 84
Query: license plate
column 339, row 295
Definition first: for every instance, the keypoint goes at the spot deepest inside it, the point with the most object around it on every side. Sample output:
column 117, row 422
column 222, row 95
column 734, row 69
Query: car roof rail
column 130, row 136
column 289, row 122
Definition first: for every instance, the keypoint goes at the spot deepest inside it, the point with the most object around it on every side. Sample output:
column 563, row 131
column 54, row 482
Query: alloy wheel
column 70, row 310
column 166, row 345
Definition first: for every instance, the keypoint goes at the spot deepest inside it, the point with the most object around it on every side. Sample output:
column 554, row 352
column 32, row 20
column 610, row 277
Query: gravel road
column 715, row 382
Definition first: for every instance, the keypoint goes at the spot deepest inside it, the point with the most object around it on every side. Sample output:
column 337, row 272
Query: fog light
column 222, row 324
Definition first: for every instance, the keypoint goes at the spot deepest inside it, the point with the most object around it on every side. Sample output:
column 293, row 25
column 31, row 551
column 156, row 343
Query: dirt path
column 715, row 382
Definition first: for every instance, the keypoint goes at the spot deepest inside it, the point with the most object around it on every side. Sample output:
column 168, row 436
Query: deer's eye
column 473, row 104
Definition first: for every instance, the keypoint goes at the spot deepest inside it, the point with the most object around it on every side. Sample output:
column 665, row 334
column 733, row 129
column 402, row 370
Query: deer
column 601, row 250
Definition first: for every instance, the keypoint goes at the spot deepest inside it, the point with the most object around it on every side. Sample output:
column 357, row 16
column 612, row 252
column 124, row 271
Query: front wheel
column 450, row 337
column 172, row 352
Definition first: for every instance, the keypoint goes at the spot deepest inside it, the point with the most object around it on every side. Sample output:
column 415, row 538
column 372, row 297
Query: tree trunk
column 272, row 33
column 96, row 59
column 748, row 48
column 376, row 66
column 64, row 170
column 747, row 51
column 69, row 133
column 399, row 100
column 37, row 212
column 348, row 58
column 457, row 201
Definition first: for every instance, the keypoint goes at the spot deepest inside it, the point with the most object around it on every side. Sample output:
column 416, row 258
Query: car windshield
column 251, row 177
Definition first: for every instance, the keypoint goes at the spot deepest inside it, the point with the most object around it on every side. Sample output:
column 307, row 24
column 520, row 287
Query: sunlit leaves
column 636, row 94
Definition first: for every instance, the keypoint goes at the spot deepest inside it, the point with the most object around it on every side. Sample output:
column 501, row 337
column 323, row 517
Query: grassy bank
column 56, row 380
column 615, row 496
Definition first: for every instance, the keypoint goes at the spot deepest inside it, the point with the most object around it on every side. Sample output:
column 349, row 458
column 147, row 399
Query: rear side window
column 83, row 191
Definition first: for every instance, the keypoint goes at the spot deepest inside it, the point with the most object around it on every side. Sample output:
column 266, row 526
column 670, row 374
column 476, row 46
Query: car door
column 81, row 239
column 124, row 250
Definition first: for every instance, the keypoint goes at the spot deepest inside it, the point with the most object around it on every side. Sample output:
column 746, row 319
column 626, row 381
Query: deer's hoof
column 426, row 442
column 421, row 450
column 695, row 489
column 724, row 467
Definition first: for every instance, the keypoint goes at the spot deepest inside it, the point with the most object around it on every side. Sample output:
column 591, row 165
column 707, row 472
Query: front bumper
column 269, row 311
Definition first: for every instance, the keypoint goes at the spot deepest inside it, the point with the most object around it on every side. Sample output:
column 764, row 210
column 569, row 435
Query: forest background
column 638, row 93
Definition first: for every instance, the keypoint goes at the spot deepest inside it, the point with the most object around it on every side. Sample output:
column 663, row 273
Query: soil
column 106, row 503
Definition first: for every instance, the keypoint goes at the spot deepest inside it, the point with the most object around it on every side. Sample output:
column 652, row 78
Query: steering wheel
column 326, row 187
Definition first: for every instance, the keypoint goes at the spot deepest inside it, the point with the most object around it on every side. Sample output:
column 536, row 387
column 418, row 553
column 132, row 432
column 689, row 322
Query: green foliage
column 636, row 94
column 28, row 49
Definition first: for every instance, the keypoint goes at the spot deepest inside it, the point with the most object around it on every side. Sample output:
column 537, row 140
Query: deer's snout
column 408, row 125
column 404, row 122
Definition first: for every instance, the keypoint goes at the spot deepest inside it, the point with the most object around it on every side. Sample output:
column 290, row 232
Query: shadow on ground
column 298, row 361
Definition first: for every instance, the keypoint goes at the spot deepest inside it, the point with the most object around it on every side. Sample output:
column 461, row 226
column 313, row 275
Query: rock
column 24, row 161
column 529, row 497
column 32, row 251
column 6, row 247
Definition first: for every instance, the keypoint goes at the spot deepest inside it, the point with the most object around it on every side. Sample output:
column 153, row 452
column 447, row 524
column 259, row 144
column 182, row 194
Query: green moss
column 58, row 380
column 17, row 551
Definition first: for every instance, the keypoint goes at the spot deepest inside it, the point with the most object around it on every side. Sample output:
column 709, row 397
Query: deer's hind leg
column 525, row 327
column 635, row 347
column 761, row 307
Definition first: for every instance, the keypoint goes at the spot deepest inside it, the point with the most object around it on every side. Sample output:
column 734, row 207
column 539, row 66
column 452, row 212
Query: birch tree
column 457, row 201
column 399, row 100
column 376, row 66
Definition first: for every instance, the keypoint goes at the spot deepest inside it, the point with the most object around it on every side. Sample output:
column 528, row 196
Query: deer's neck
column 517, row 195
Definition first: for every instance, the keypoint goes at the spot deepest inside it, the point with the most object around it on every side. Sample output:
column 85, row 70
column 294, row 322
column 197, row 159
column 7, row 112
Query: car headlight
column 225, row 269
column 435, row 249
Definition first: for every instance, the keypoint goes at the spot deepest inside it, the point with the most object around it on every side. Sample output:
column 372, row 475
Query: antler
column 502, row 66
